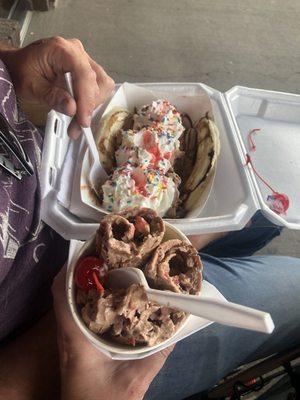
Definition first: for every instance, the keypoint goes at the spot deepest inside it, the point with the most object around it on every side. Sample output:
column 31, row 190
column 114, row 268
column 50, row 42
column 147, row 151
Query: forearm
column 29, row 367
column 7, row 56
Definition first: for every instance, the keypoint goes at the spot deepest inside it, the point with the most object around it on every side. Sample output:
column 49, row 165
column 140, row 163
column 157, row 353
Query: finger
column 85, row 92
column 55, row 97
column 74, row 130
column 105, row 83
column 68, row 57
column 67, row 106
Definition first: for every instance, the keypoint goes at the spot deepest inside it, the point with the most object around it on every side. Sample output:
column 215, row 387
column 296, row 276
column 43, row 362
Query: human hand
column 38, row 69
column 88, row 374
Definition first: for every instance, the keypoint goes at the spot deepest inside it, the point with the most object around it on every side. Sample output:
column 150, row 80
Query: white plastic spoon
column 223, row 312
column 97, row 173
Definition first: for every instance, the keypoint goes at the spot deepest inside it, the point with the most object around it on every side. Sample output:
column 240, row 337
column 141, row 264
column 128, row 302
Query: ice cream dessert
column 134, row 238
column 153, row 160
column 142, row 172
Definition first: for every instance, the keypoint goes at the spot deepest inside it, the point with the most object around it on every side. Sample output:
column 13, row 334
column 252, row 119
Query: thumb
column 59, row 99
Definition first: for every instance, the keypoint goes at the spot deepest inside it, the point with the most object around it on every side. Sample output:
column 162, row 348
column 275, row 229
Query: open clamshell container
column 236, row 193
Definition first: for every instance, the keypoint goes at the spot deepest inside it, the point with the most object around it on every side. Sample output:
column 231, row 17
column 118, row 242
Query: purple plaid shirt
column 30, row 252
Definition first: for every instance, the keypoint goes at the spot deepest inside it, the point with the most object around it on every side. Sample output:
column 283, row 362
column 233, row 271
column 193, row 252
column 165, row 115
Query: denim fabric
column 269, row 283
column 245, row 242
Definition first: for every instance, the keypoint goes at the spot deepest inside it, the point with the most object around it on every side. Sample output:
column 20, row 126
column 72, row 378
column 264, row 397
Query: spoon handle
column 86, row 131
column 223, row 312
column 69, row 83
column 91, row 143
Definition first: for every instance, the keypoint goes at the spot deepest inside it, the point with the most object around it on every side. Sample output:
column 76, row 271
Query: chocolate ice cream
column 126, row 316
column 127, row 239
column 175, row 265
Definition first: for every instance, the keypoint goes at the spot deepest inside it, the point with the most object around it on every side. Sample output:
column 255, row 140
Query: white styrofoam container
column 236, row 193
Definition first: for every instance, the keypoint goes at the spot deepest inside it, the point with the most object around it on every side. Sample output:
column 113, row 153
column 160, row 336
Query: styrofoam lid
column 276, row 157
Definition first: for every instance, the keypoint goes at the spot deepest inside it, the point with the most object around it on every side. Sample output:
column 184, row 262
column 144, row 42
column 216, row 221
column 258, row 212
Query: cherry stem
column 249, row 161
column 100, row 288
column 250, row 139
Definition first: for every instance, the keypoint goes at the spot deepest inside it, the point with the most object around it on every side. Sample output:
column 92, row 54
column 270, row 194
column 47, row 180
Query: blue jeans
column 269, row 283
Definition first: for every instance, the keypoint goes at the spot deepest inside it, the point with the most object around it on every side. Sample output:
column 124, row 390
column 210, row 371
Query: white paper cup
column 100, row 343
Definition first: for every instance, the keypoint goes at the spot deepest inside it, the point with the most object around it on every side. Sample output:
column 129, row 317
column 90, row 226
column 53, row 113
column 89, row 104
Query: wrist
column 6, row 52
column 7, row 56
column 5, row 46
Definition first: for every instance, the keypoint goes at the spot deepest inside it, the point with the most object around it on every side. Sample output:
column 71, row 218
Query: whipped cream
column 147, row 148
column 130, row 186
column 161, row 114
column 144, row 176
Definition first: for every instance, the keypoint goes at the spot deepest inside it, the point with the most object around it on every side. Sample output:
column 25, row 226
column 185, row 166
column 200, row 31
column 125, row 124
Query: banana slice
column 204, row 155
column 107, row 136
